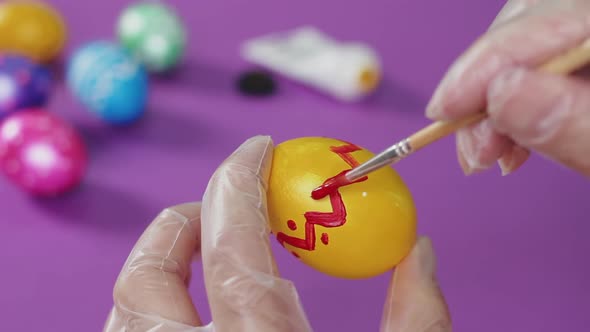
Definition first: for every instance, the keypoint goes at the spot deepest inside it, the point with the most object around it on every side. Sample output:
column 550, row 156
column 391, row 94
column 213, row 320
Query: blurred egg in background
column 23, row 84
column 31, row 28
column 41, row 153
column 154, row 33
column 109, row 82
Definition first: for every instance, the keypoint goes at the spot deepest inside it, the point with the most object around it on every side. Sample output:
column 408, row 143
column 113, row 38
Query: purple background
column 512, row 251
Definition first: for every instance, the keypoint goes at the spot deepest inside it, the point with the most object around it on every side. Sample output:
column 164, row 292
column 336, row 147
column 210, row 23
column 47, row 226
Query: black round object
column 256, row 83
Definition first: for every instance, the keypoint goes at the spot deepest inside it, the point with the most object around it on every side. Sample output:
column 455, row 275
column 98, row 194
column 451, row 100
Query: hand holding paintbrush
column 562, row 65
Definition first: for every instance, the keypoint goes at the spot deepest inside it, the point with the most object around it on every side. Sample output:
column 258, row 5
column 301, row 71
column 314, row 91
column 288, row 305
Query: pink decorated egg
column 41, row 153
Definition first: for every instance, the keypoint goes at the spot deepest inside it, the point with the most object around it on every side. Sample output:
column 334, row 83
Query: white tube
column 346, row 71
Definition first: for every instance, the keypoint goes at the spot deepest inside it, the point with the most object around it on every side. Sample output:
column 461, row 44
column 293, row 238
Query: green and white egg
column 154, row 33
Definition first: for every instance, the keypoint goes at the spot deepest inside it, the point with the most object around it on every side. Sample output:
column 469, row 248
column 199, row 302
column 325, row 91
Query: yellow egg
column 359, row 231
column 31, row 29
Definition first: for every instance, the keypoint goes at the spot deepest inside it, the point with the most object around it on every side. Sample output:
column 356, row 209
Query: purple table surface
column 512, row 250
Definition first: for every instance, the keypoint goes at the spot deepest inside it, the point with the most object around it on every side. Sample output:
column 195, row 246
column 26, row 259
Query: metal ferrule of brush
column 391, row 155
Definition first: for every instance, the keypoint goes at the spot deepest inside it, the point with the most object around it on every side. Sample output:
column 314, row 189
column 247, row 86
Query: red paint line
column 337, row 217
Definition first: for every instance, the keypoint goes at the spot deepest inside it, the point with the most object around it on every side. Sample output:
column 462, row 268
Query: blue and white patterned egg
column 109, row 81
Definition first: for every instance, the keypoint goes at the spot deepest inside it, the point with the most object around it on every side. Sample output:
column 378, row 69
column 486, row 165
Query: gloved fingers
column 511, row 10
column 480, row 146
column 151, row 291
column 243, row 285
column 123, row 320
column 547, row 30
column 414, row 300
column 545, row 113
column 513, row 158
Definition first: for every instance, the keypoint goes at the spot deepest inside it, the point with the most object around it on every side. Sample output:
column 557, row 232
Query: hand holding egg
column 245, row 289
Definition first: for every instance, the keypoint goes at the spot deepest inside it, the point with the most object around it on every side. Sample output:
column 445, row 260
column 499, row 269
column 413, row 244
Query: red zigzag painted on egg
column 336, row 218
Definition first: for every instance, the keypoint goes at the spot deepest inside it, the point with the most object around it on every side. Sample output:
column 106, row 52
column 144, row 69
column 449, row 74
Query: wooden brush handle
column 561, row 65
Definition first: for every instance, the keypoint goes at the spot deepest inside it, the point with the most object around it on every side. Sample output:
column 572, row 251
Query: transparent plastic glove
column 245, row 291
column 527, row 110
